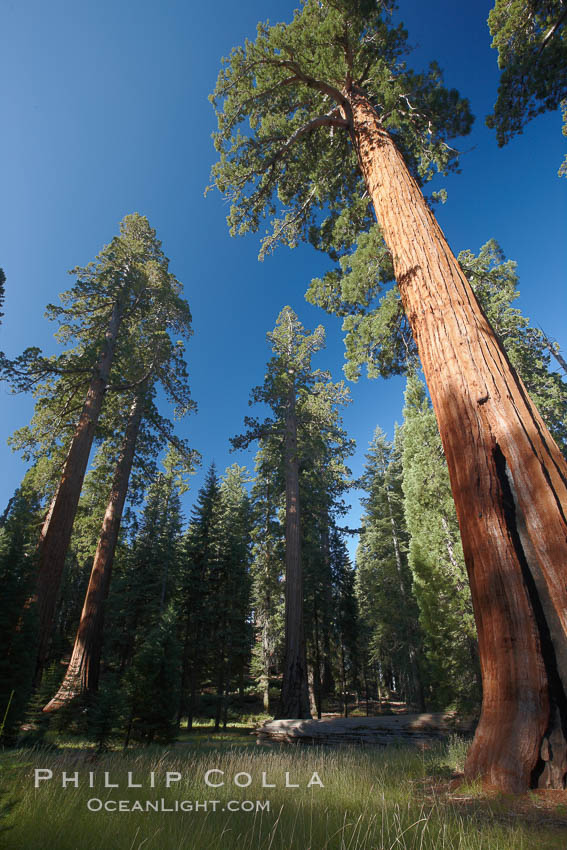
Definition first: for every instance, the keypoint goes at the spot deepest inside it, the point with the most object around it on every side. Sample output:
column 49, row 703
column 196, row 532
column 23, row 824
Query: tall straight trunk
column 508, row 478
column 317, row 667
column 58, row 525
column 82, row 673
column 295, row 695
column 343, row 680
column 417, row 685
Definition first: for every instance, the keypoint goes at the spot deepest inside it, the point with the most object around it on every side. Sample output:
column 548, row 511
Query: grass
column 373, row 799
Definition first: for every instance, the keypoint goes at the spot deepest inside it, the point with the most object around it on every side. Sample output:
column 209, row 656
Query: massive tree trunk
column 82, row 673
column 508, row 478
column 295, row 694
column 58, row 525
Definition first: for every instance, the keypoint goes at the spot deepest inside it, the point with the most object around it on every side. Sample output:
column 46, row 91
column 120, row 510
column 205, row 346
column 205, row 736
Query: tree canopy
column 283, row 110
column 531, row 39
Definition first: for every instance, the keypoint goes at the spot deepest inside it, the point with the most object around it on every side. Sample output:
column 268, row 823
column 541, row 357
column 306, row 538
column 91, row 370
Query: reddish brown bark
column 58, row 525
column 508, row 478
column 83, row 671
column 295, row 693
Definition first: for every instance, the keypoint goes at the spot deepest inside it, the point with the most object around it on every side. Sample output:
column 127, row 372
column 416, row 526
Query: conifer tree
column 149, row 569
column 531, row 40
column 436, row 558
column 346, row 615
column 18, row 536
column 337, row 121
column 267, row 569
column 152, row 682
column 230, row 589
column 296, row 393
column 164, row 365
column 114, row 295
column 384, row 583
column 199, row 548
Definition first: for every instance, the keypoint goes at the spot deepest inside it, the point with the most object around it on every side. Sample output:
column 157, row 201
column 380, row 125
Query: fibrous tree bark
column 508, row 478
column 58, row 524
column 82, row 673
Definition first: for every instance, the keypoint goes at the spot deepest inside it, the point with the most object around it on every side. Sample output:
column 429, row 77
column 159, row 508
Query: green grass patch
column 373, row 799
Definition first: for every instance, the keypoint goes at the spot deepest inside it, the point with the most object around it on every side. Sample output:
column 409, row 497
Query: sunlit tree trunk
column 508, row 478
column 83, row 671
column 295, row 695
column 58, row 525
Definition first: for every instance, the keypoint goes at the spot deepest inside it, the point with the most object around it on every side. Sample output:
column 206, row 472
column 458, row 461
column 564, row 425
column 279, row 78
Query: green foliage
column 494, row 281
column 378, row 335
column 131, row 271
column 18, row 536
column 317, row 398
column 267, row 568
column 107, row 710
column 531, row 39
column 215, row 591
column 322, row 451
column 152, row 682
column 345, row 618
column 436, row 558
column 388, row 608
column 361, row 290
column 147, row 568
column 283, row 104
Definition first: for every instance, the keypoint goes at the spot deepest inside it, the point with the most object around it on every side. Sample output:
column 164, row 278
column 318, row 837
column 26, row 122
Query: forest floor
column 374, row 798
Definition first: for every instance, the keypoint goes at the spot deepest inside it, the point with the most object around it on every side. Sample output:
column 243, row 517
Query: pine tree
column 267, row 569
column 149, row 568
column 229, row 583
column 337, row 122
column 152, row 683
column 346, row 615
column 531, row 40
column 128, row 284
column 158, row 359
column 384, row 584
column 436, row 558
column 297, row 395
column 18, row 534
column 199, row 550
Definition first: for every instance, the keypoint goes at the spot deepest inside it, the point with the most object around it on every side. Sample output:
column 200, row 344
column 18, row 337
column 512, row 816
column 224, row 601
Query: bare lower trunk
column 58, row 525
column 417, row 685
column 82, row 673
column 295, row 696
column 508, row 478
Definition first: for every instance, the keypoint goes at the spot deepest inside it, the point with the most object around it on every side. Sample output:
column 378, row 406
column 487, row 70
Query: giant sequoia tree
column 128, row 283
column 335, row 121
column 150, row 358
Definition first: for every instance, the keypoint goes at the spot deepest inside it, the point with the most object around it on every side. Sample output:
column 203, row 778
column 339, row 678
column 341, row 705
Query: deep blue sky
column 104, row 111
